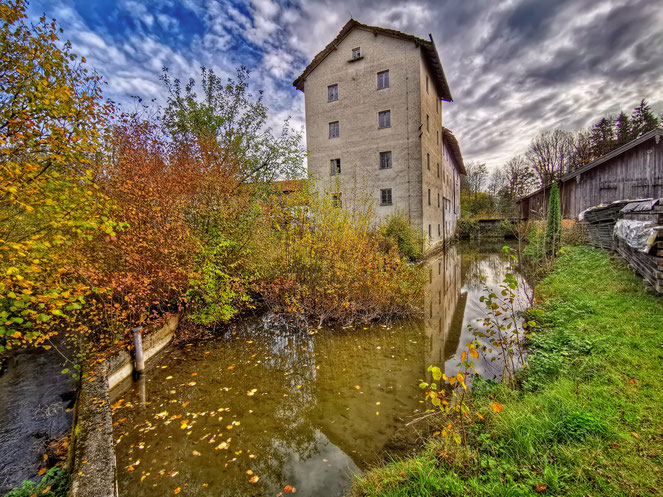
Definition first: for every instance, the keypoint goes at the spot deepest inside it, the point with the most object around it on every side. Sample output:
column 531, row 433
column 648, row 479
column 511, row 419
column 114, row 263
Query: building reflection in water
column 444, row 307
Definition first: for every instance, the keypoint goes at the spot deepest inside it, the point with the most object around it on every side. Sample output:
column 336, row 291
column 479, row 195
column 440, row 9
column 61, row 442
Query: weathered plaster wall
column 360, row 141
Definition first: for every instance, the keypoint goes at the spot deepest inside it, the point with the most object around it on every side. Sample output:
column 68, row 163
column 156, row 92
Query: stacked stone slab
column 601, row 220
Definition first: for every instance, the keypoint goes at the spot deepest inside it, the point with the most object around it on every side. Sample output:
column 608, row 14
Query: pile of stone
column 601, row 221
column 633, row 229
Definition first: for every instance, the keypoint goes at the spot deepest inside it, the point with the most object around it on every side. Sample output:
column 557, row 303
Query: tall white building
column 373, row 101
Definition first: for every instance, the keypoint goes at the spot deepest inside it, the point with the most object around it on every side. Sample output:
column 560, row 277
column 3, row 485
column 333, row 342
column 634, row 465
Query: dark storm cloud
column 515, row 68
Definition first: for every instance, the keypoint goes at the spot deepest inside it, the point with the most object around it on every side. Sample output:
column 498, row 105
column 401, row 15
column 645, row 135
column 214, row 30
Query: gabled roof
column 452, row 144
column 655, row 133
column 428, row 48
column 618, row 151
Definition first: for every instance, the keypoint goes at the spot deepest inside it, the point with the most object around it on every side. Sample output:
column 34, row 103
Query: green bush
column 535, row 249
column 467, row 227
column 397, row 231
column 53, row 484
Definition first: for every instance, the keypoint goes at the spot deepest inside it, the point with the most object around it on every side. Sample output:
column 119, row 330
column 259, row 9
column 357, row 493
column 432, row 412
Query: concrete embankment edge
column 93, row 468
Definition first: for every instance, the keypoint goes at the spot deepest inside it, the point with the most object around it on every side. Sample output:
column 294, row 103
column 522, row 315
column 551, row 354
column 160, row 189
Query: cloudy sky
column 515, row 68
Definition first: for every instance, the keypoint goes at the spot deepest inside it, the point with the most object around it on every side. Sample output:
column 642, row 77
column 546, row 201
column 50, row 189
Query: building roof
column 289, row 185
column 427, row 46
column 452, row 143
column 655, row 133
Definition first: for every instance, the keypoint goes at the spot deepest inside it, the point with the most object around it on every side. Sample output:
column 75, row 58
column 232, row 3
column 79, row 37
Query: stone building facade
column 374, row 128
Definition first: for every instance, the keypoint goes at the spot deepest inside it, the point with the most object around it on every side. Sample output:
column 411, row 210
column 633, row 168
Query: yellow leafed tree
column 51, row 115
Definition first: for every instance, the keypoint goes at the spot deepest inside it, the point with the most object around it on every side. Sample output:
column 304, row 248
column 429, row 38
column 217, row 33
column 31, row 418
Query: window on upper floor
column 335, row 165
column 437, row 105
column 438, row 169
column 438, row 199
column 427, row 123
column 384, row 119
column 334, row 131
column 437, row 137
column 385, row 160
column 356, row 53
column 385, row 196
column 337, row 199
column 383, row 80
column 429, row 196
column 332, row 93
column 426, row 84
column 428, row 161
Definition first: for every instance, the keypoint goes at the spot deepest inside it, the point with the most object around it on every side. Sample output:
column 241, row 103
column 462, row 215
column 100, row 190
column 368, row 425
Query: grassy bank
column 587, row 418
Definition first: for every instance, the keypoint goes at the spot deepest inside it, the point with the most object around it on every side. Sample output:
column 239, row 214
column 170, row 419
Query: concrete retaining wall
column 93, row 469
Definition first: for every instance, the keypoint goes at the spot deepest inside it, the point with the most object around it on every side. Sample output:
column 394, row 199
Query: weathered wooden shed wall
column 636, row 172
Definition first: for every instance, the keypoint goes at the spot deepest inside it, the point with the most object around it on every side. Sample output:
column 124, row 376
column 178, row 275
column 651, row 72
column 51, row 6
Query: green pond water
column 264, row 407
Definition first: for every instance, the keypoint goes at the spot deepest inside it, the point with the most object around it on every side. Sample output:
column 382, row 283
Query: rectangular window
column 428, row 161
column 335, row 167
column 430, row 235
column 384, row 119
column 438, row 230
column 332, row 93
column 437, row 105
column 438, row 199
column 385, row 196
column 356, row 53
column 426, row 84
column 429, row 196
column 438, row 169
column 385, row 160
column 437, row 137
column 427, row 123
column 337, row 200
column 334, row 131
column 383, row 80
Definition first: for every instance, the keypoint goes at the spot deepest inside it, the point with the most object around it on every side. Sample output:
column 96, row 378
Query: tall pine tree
column 643, row 119
column 603, row 136
column 624, row 129
column 554, row 224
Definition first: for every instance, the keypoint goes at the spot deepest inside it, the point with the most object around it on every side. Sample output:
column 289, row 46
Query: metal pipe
column 139, row 365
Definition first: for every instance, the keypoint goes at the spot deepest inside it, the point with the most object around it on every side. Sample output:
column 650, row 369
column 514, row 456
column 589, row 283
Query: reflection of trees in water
column 482, row 261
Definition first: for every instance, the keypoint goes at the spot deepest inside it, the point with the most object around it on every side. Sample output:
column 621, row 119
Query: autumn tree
column 50, row 116
column 521, row 178
column 221, row 126
column 582, row 150
column 476, row 178
column 550, row 154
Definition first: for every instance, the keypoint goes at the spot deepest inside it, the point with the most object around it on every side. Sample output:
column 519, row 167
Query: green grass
column 588, row 416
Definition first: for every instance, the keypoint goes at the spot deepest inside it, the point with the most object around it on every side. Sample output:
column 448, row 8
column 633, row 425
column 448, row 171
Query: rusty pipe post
column 139, row 365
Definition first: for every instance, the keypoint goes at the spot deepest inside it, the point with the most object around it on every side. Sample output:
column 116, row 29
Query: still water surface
column 309, row 411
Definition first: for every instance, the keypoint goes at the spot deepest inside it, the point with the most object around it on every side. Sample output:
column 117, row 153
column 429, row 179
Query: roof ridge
column 430, row 52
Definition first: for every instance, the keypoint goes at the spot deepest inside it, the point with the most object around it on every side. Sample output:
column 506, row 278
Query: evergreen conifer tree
column 643, row 119
column 554, row 224
column 603, row 137
column 624, row 129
